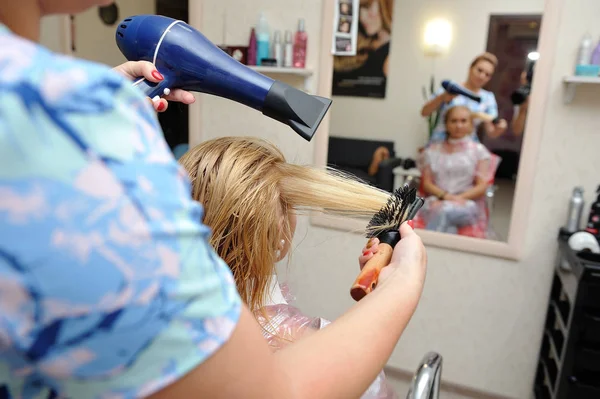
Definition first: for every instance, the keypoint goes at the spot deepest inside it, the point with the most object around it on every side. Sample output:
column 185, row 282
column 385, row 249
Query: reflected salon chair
column 353, row 156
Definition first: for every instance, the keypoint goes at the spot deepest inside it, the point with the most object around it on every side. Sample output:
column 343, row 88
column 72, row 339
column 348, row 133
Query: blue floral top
column 108, row 286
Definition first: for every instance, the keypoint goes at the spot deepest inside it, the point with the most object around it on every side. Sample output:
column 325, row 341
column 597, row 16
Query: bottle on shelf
column 251, row 60
column 262, row 37
column 277, row 49
column 288, row 50
column 584, row 55
column 575, row 208
column 300, row 43
column 596, row 55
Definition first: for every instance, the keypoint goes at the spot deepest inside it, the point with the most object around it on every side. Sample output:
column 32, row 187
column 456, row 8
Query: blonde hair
column 247, row 190
column 488, row 57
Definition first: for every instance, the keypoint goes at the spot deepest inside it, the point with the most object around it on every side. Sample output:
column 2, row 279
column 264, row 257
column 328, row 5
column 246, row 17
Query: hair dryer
column 454, row 88
column 188, row 60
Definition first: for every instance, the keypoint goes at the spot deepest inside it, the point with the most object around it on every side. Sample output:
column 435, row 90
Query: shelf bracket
column 570, row 92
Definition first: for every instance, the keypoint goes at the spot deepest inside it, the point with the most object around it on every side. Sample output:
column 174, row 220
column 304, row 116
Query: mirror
column 390, row 123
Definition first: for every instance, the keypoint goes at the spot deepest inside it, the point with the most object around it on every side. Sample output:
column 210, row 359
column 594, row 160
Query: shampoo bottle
column 262, row 37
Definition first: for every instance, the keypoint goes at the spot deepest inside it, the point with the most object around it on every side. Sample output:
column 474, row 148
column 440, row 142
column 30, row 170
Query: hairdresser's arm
column 435, row 103
column 518, row 123
column 429, row 186
column 340, row 361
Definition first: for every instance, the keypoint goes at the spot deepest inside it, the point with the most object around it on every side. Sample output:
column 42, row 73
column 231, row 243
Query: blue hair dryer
column 188, row 60
column 454, row 88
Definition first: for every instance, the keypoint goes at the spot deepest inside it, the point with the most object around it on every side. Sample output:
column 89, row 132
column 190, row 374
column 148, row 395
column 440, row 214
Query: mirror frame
column 512, row 248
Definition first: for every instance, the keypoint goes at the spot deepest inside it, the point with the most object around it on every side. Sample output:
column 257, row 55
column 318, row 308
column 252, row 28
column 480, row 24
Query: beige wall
column 95, row 41
column 397, row 117
column 484, row 315
column 52, row 32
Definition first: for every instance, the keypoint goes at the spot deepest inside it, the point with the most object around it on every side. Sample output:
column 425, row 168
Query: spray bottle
column 575, row 209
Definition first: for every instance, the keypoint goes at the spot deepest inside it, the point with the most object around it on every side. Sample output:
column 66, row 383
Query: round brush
column 402, row 205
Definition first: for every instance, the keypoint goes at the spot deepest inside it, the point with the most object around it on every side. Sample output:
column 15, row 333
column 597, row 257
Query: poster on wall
column 364, row 73
column 345, row 27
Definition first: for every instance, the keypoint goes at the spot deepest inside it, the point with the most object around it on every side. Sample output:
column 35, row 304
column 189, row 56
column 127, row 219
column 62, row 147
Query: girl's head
column 250, row 196
column 482, row 68
column 459, row 122
column 375, row 16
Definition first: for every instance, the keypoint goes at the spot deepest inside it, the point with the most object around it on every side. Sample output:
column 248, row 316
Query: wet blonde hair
column 248, row 189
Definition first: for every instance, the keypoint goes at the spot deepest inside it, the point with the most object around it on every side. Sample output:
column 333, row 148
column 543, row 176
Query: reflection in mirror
column 446, row 115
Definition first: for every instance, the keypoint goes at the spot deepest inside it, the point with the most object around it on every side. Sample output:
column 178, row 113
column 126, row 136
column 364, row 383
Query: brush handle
column 369, row 275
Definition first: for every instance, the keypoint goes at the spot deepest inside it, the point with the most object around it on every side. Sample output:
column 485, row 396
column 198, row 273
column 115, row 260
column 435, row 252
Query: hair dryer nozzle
column 454, row 88
column 301, row 111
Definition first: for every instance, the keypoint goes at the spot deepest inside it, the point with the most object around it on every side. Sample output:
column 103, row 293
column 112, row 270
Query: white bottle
column 584, row 56
column 277, row 49
column 288, row 50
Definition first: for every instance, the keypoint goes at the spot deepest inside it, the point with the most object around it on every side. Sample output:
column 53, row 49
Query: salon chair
column 354, row 156
column 426, row 381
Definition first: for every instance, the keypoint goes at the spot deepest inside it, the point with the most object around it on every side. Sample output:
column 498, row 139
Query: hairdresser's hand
column 409, row 255
column 455, row 198
column 447, row 97
column 409, row 260
column 135, row 69
column 368, row 251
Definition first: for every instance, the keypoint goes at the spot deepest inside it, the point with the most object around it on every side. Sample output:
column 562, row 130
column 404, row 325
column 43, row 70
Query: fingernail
column 411, row 224
column 365, row 253
column 156, row 98
column 157, row 75
column 161, row 106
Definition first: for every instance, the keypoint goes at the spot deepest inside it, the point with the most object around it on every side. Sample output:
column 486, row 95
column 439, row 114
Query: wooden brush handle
column 369, row 275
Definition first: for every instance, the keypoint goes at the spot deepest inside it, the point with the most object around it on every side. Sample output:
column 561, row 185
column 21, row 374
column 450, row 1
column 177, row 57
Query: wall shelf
column 305, row 73
column 573, row 81
column 284, row 70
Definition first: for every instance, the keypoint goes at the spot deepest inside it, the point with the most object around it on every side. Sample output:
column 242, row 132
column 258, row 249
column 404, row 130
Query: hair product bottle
column 300, row 42
column 288, row 50
column 252, row 48
column 277, row 49
column 262, row 36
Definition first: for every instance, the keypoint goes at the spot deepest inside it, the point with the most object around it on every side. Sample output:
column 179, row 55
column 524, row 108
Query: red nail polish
column 157, row 75
column 411, row 223
column 161, row 106
column 365, row 253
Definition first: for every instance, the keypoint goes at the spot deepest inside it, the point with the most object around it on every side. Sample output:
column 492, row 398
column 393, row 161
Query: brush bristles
column 393, row 213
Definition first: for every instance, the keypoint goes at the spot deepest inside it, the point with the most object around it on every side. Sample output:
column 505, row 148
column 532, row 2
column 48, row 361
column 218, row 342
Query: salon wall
column 484, row 315
column 397, row 117
column 95, row 41
column 229, row 22
column 51, row 32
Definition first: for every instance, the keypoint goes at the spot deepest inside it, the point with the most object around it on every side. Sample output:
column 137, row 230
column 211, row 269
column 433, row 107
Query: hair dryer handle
column 152, row 89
